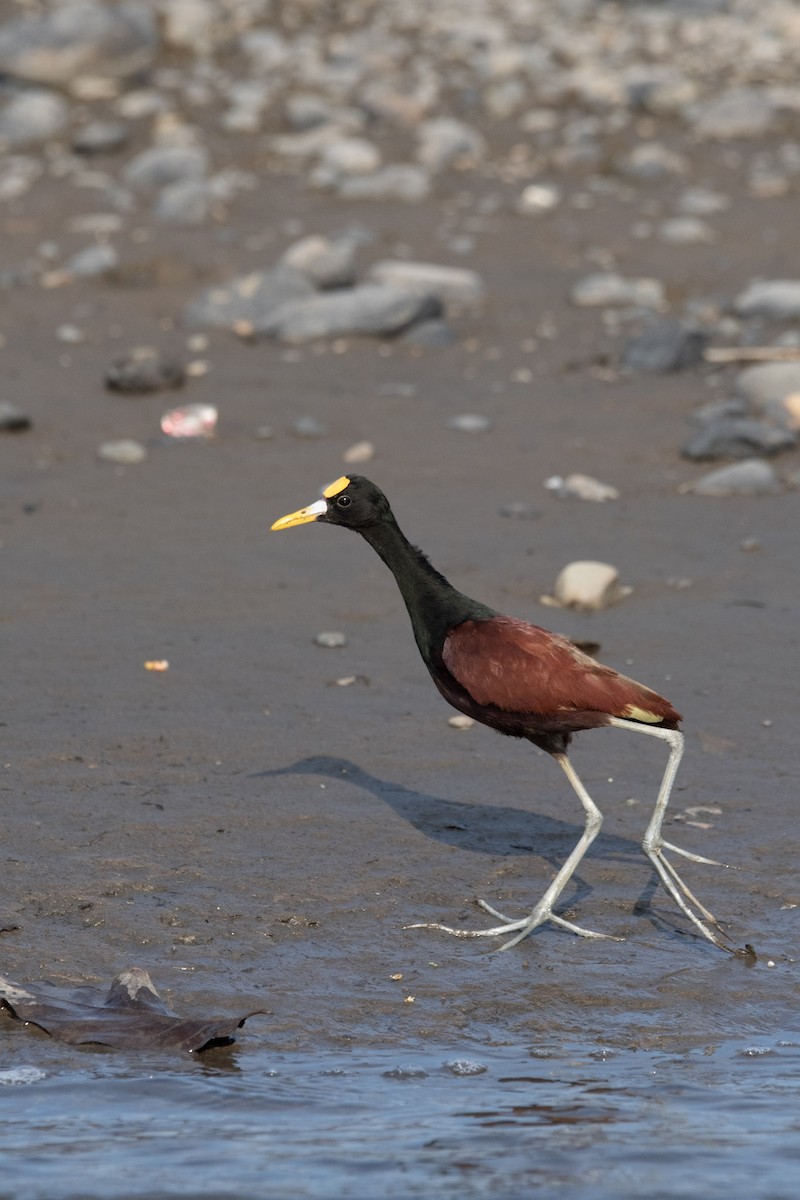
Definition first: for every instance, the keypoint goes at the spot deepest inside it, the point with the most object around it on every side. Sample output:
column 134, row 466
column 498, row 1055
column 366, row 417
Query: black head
column 352, row 501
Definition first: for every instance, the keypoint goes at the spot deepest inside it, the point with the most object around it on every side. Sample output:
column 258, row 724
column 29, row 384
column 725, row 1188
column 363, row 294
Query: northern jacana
column 520, row 680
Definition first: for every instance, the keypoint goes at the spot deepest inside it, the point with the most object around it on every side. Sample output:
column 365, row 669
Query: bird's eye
column 343, row 501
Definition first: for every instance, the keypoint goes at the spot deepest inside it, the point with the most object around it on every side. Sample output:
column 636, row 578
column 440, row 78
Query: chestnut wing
column 521, row 668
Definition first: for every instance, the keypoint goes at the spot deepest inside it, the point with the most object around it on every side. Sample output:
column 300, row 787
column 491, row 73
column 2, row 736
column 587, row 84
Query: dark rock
column 100, row 137
column 666, row 346
column 430, row 334
column 143, row 370
column 12, row 419
column 738, row 437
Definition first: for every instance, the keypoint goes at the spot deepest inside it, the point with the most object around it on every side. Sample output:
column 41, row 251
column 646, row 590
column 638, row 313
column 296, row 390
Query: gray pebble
column 69, row 41
column 100, row 137
column 13, row 419
column 776, row 298
column 325, row 262
column 251, row 300
column 766, row 384
column 32, row 117
column 685, row 231
column 739, row 112
column 309, row 427
column 93, row 261
column 455, row 287
column 470, row 423
column 160, row 166
column 608, row 288
column 331, row 639
column 370, row 308
column 738, row 437
column 443, row 140
column 668, row 345
column 430, row 334
column 653, row 160
column 702, row 202
column 537, row 199
column 752, row 477
column 125, row 451
column 397, row 181
column 142, row 370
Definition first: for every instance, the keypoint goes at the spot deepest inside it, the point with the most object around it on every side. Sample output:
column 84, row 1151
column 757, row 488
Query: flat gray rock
column 667, row 346
column 455, row 287
column 608, row 288
column 740, row 112
column 253, row 299
column 32, row 117
column 752, row 477
column 738, row 437
column 371, row 308
column 160, row 166
column 769, row 383
column 72, row 41
column 779, row 298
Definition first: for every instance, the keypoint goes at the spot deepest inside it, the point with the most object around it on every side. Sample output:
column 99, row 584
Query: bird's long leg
column 653, row 843
column 543, row 911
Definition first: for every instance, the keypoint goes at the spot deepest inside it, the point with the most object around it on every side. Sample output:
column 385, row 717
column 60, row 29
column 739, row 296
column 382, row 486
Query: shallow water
column 499, row 1121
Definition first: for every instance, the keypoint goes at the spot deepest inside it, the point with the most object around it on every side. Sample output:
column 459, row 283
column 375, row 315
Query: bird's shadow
column 499, row 830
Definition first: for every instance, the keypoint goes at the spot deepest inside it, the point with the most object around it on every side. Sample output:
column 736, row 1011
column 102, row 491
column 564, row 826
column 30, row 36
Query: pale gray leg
column 544, row 909
column 653, row 843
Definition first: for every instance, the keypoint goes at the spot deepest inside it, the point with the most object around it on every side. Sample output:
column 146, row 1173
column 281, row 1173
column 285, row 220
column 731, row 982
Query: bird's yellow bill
column 311, row 513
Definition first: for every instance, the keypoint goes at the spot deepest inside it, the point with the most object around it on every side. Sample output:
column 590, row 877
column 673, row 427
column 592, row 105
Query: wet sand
column 255, row 835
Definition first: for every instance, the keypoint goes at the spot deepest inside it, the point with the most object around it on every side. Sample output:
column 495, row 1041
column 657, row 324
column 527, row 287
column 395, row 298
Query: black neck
column 433, row 604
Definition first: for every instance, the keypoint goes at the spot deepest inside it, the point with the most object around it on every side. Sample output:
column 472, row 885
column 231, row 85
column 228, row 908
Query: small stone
column 768, row 384
column 738, row 437
column 430, row 334
column 73, row 41
column 465, row 1066
column 100, row 137
column 397, row 181
column 190, row 421
column 775, row 298
column 587, row 586
column 455, row 287
column 163, row 165
column 330, row 639
column 653, row 160
column 72, row 335
column 255, row 298
column 370, row 308
column 668, row 345
column 470, row 423
column 582, row 487
column 685, row 231
column 608, row 288
column 752, row 477
column 361, row 452
column 13, row 419
column 537, row 199
column 325, row 262
column 32, row 117
column 739, row 112
column 309, row 427
column 125, row 451
column 445, row 140
column 93, row 261
column 460, row 722
column 348, row 156
column 702, row 202
column 17, row 173
column 142, row 370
